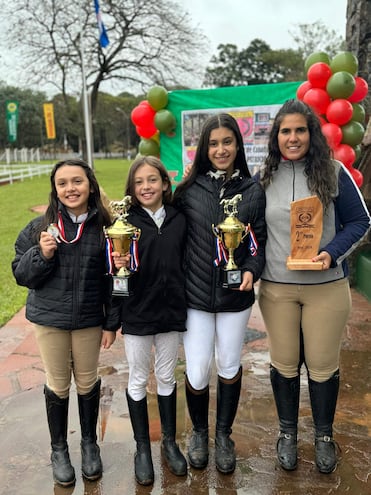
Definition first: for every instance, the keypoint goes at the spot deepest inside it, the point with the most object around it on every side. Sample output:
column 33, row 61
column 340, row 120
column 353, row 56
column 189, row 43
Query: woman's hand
column 325, row 258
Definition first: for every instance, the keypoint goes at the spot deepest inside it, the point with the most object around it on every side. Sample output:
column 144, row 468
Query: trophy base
column 121, row 286
column 230, row 279
column 303, row 264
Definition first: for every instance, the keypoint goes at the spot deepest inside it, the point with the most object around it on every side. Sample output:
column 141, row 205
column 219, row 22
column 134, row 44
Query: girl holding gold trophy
column 219, row 184
column 60, row 257
column 154, row 312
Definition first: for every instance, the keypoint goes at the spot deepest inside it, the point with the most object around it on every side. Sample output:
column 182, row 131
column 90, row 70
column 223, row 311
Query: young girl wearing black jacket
column 216, row 316
column 155, row 312
column 60, row 257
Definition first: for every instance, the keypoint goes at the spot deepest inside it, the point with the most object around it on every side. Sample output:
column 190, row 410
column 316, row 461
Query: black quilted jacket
column 157, row 304
column 70, row 290
column 201, row 205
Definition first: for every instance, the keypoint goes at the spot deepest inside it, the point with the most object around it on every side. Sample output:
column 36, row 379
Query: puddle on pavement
column 255, row 434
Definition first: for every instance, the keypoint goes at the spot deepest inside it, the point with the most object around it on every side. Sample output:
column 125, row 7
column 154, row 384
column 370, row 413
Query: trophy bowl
column 231, row 233
column 122, row 235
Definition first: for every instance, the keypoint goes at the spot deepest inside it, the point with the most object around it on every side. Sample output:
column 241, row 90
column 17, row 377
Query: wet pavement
column 24, row 441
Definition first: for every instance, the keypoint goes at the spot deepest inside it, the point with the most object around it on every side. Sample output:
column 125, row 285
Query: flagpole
column 86, row 110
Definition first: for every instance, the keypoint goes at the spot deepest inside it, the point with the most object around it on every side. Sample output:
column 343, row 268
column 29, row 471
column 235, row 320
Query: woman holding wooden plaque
column 315, row 217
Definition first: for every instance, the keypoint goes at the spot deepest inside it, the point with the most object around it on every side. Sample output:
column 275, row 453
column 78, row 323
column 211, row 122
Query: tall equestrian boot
column 91, row 462
column 286, row 393
column 57, row 414
column 228, row 396
column 170, row 449
column 143, row 458
column 198, row 408
column 323, row 398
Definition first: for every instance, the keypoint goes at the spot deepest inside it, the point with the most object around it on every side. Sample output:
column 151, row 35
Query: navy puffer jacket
column 69, row 291
column 201, row 205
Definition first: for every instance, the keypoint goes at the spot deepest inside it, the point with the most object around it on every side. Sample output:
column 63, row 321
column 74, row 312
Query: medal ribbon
column 134, row 257
column 253, row 243
column 62, row 234
column 221, row 252
column 109, row 250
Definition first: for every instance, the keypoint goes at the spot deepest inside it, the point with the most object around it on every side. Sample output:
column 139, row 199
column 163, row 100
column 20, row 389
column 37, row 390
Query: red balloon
column 142, row 114
column 345, row 154
column 357, row 176
column 333, row 134
column 146, row 131
column 360, row 91
column 318, row 99
column 302, row 89
column 318, row 74
column 339, row 111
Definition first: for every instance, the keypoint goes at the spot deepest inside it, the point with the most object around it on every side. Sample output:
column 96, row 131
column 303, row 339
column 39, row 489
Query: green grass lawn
column 16, row 203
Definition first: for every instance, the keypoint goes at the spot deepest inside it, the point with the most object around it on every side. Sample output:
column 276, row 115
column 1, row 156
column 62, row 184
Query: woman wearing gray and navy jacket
column 217, row 317
column 305, row 311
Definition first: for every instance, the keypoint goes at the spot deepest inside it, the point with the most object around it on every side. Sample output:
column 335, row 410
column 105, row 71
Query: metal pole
column 86, row 109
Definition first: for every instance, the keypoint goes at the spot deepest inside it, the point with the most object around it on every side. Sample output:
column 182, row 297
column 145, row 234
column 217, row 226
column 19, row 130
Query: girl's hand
column 48, row 245
column 108, row 339
column 120, row 260
column 187, row 170
column 247, row 282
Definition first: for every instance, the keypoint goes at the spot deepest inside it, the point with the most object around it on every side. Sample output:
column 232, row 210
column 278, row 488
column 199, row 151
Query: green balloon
column 344, row 61
column 148, row 147
column 359, row 113
column 357, row 148
column 341, row 85
column 353, row 133
column 165, row 121
column 313, row 58
column 157, row 97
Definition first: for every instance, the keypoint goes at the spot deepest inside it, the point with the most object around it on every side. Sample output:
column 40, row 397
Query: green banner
column 12, row 120
column 254, row 107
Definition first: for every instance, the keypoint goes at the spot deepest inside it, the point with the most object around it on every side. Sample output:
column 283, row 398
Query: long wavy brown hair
column 319, row 168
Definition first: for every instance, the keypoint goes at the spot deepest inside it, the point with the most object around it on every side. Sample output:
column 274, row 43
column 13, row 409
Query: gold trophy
column 122, row 234
column 231, row 233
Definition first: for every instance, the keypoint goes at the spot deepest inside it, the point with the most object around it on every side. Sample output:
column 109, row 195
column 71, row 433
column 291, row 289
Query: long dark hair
column 319, row 169
column 94, row 201
column 201, row 164
column 158, row 165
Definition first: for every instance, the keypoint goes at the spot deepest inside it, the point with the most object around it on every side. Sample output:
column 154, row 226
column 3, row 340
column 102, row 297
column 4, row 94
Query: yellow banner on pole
column 49, row 120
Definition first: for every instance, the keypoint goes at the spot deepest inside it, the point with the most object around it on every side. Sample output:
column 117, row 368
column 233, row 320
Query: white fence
column 11, row 173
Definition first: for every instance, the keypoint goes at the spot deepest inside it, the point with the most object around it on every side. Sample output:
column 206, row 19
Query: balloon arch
column 333, row 89
column 335, row 92
column 150, row 118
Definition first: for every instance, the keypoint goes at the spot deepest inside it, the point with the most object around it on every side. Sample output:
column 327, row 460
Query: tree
column 150, row 43
column 30, row 129
column 316, row 37
column 256, row 64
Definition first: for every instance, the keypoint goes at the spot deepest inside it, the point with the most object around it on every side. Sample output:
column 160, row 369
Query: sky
column 240, row 21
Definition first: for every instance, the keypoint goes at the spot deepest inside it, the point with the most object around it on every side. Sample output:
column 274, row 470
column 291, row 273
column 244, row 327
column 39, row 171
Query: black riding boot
column 57, row 414
column 198, row 407
column 170, row 449
column 143, row 458
column 228, row 396
column 91, row 462
column 286, row 393
column 323, row 397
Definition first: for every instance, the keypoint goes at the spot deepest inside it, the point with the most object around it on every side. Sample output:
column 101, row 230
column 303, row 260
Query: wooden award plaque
column 306, row 232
